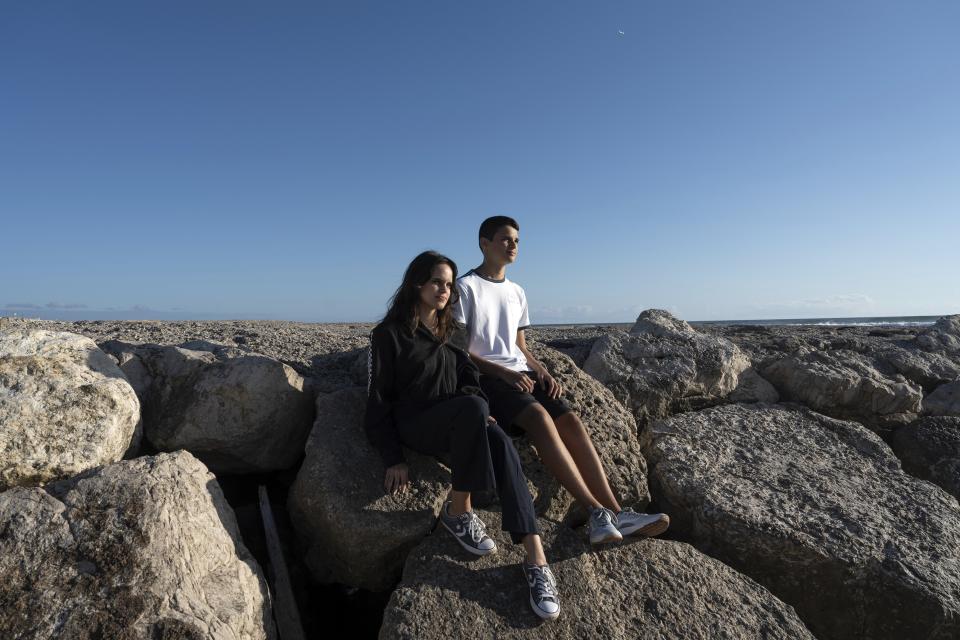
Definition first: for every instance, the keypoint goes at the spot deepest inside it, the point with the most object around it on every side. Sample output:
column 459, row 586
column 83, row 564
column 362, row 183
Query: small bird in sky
column 620, row 33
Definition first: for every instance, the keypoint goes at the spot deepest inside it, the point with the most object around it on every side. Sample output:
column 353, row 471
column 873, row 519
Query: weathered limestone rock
column 929, row 370
column 642, row 589
column 751, row 387
column 942, row 337
column 612, row 430
column 237, row 411
column 664, row 366
column 146, row 548
column 65, row 407
column 930, row 449
column 944, row 401
column 817, row 510
column 350, row 530
column 845, row 384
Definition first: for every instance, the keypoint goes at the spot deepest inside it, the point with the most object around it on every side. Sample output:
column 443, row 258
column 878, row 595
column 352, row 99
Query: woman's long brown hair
column 403, row 304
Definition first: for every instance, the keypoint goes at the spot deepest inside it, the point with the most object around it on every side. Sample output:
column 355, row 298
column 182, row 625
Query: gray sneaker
column 469, row 531
column 646, row 524
column 603, row 526
column 544, row 599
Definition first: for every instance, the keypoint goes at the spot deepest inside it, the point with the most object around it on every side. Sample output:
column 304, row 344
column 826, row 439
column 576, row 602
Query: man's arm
column 551, row 386
column 517, row 379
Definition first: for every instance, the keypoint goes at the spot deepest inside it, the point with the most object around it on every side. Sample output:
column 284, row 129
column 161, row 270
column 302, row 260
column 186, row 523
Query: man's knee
column 535, row 417
column 569, row 422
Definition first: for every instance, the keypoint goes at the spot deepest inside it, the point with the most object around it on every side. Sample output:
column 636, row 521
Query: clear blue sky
column 286, row 160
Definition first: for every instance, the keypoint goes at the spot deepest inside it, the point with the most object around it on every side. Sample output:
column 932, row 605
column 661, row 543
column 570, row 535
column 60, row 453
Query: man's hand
column 518, row 380
column 397, row 479
column 547, row 383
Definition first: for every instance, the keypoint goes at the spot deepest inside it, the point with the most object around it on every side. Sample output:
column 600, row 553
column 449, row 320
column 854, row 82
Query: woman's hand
column 518, row 380
column 397, row 479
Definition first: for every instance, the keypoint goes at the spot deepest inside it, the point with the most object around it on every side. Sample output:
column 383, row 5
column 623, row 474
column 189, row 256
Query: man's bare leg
column 578, row 443
column 544, row 435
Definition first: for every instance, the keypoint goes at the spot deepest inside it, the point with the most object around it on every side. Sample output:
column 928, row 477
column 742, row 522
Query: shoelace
column 543, row 583
column 476, row 528
column 604, row 516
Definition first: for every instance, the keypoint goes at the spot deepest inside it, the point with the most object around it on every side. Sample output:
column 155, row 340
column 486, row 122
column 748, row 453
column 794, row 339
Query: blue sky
column 287, row 160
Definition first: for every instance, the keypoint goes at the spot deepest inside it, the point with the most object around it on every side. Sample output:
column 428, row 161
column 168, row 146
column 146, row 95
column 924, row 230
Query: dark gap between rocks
column 321, row 606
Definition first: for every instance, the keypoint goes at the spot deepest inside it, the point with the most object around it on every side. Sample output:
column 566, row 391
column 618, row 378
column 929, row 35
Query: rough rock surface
column 942, row 337
column 817, row 510
column 664, row 366
column 930, row 449
column 323, row 351
column 238, row 412
column 65, row 407
column 751, row 387
column 845, row 384
column 929, row 370
column 146, row 548
column 352, row 532
column 641, row 589
column 612, row 430
column 944, row 401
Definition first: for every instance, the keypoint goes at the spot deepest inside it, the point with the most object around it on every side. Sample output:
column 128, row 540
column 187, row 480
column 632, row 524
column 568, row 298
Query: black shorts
column 507, row 402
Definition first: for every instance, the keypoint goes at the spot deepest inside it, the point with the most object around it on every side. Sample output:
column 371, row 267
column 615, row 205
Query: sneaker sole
column 608, row 539
column 652, row 529
column 474, row 551
column 543, row 614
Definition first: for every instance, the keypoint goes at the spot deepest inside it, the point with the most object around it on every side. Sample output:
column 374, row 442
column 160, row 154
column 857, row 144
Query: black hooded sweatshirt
column 407, row 374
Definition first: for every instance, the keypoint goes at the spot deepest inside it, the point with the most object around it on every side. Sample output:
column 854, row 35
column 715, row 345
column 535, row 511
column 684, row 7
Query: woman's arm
column 379, row 421
column 468, row 375
column 551, row 386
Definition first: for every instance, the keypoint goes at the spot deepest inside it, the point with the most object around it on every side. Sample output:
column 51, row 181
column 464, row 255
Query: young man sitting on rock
column 523, row 394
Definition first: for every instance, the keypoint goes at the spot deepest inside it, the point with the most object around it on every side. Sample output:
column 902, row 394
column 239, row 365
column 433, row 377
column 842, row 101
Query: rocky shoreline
column 812, row 474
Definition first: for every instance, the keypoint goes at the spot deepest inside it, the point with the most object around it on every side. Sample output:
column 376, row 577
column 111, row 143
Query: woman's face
column 435, row 292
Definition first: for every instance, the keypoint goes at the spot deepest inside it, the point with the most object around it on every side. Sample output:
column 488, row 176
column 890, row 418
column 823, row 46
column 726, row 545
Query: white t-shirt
column 493, row 311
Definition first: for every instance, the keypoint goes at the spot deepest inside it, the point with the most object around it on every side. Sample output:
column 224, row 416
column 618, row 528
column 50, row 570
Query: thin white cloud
column 23, row 305
column 831, row 305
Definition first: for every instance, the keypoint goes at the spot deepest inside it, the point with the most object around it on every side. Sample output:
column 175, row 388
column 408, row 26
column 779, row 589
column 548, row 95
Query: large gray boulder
column 944, row 401
column 664, row 366
column 929, row 370
column 930, row 449
column 146, row 548
column 643, row 589
column 751, row 387
column 845, row 384
column 65, row 407
column 819, row 511
column 942, row 337
column 237, row 411
column 612, row 430
column 351, row 532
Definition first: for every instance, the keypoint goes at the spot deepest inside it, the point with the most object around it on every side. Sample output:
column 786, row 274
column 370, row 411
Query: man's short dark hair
column 489, row 227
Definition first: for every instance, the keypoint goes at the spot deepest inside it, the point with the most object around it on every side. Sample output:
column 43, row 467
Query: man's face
column 504, row 246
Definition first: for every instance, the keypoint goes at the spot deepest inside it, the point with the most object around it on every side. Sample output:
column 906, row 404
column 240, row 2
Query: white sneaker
column 646, row 524
column 544, row 599
column 603, row 526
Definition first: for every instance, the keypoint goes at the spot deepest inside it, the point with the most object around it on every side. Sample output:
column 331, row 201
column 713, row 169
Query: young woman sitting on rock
column 424, row 393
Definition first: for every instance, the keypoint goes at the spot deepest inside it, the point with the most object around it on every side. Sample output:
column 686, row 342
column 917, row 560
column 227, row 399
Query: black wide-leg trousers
column 481, row 455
